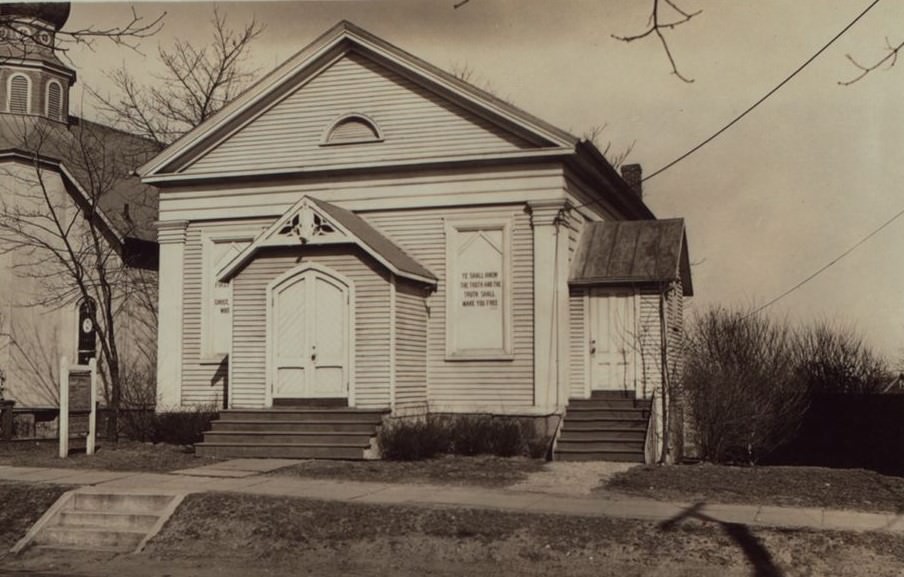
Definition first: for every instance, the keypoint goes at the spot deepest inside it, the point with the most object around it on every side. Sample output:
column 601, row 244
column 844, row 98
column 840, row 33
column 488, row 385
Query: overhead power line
column 829, row 264
column 765, row 96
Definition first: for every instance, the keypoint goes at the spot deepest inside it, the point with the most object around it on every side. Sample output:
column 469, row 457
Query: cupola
column 33, row 80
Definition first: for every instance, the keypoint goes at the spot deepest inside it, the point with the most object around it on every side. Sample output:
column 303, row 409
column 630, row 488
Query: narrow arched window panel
column 54, row 100
column 353, row 129
column 18, row 94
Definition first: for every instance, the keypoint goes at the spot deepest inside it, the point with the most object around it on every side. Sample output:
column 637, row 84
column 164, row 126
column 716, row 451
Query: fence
column 849, row 431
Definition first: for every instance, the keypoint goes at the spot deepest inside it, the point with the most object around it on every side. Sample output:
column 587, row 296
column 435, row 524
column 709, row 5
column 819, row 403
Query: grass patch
column 124, row 456
column 22, row 506
column 792, row 486
column 353, row 538
column 484, row 471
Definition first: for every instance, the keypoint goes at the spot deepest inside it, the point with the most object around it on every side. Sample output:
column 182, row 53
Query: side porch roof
column 632, row 253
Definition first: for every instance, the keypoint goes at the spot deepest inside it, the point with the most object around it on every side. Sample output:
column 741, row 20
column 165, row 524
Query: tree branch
column 889, row 61
column 656, row 26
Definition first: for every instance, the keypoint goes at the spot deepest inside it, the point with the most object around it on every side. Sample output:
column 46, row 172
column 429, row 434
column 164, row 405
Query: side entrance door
column 309, row 336
column 612, row 340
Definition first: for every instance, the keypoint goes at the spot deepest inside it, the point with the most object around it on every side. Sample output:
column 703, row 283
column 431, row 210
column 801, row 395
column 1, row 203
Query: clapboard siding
column 415, row 124
column 577, row 344
column 202, row 382
column 649, row 332
column 421, row 233
column 577, row 320
column 411, row 346
column 371, row 354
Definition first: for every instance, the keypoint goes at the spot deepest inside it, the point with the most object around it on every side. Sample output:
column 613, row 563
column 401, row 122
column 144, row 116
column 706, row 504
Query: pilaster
column 171, row 238
column 550, row 302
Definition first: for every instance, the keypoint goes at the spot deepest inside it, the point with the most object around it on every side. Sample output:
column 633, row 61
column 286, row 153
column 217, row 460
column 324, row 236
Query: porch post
column 550, row 301
column 171, row 238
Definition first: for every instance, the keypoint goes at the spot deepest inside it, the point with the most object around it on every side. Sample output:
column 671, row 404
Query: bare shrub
column 745, row 394
column 834, row 359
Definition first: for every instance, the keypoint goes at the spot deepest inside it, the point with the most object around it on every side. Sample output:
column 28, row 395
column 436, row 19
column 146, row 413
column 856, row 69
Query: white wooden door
column 310, row 318
column 613, row 340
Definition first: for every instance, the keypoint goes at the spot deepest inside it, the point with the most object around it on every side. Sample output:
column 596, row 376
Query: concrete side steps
column 609, row 426
column 295, row 432
column 91, row 519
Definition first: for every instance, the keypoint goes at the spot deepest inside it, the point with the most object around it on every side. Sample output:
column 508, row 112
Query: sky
column 788, row 189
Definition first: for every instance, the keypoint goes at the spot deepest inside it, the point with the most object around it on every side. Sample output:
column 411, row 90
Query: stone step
column 579, row 413
column 603, row 434
column 90, row 538
column 290, row 437
column 600, row 446
column 575, row 424
column 616, row 456
column 307, row 415
column 294, row 426
column 280, row 451
column 120, row 503
column 106, row 520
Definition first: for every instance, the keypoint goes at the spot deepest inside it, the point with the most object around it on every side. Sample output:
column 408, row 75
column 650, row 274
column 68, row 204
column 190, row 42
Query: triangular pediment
column 313, row 222
column 351, row 100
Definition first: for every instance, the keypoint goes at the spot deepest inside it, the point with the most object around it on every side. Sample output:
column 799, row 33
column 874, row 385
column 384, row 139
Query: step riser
column 608, row 404
column 601, row 456
column 612, row 395
column 287, row 452
column 633, row 414
column 597, row 424
column 307, row 416
column 108, row 540
column 603, row 436
column 293, row 427
column 598, row 447
column 73, row 519
column 243, row 438
column 120, row 503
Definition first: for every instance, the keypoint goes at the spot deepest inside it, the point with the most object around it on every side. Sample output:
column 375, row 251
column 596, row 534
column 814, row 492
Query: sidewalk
column 244, row 476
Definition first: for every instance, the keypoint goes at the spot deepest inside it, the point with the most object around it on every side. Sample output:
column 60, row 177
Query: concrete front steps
column 292, row 433
column 609, row 426
column 91, row 519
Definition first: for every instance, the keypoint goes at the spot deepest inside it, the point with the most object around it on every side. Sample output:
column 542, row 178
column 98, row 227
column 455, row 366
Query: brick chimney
column 633, row 175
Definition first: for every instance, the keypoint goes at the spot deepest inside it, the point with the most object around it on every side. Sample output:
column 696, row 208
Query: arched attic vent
column 352, row 129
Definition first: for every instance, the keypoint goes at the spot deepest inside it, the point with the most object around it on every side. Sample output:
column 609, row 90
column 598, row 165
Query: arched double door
column 310, row 344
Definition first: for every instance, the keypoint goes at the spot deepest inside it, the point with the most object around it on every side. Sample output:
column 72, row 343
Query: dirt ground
column 220, row 535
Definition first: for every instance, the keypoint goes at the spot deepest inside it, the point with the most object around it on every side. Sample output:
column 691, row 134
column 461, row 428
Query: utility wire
column 756, row 104
column 829, row 264
column 766, row 96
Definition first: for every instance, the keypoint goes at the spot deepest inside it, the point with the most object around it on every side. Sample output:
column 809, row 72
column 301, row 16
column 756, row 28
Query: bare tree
column 198, row 80
column 69, row 247
column 34, row 37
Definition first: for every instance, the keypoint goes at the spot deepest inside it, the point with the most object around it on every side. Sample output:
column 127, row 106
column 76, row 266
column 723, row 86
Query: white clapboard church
column 361, row 236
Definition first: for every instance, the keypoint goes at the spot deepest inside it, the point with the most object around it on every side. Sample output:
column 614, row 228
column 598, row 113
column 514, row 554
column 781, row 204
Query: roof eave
column 589, row 159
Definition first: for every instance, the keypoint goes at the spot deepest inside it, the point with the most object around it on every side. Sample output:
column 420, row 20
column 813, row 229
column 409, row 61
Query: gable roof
column 351, row 228
column 632, row 252
column 342, row 39
column 86, row 152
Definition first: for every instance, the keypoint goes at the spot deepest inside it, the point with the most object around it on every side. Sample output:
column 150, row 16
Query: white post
column 92, row 417
column 63, row 426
